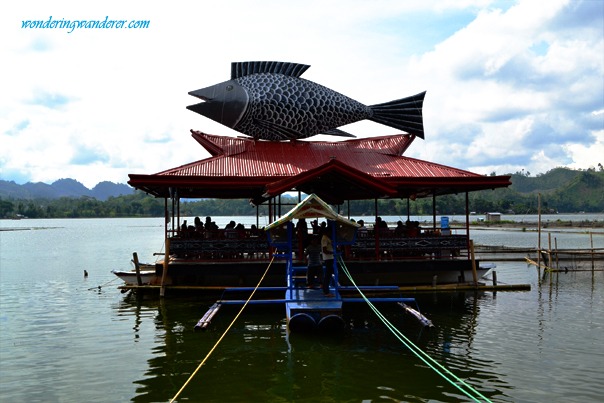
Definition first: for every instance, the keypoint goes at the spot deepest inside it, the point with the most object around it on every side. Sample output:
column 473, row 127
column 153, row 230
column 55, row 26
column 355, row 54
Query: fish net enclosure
column 486, row 253
column 557, row 259
column 574, row 260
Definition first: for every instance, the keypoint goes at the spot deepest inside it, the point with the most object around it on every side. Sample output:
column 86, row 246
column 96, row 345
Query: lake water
column 64, row 339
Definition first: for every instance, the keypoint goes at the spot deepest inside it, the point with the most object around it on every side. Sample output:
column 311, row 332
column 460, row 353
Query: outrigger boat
column 308, row 309
column 142, row 274
column 147, row 277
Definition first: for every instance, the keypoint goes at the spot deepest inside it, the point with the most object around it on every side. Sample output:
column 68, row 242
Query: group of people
column 319, row 250
column 210, row 230
column 409, row 229
column 319, row 253
column 317, row 228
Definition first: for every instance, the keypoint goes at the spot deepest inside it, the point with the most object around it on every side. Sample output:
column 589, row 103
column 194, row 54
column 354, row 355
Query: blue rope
column 419, row 353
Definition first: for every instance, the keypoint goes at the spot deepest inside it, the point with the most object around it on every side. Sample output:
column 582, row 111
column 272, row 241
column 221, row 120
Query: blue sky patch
column 52, row 101
column 87, row 155
column 419, row 32
column 17, row 128
column 40, row 44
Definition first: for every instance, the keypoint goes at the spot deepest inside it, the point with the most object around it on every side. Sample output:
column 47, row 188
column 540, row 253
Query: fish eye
column 229, row 87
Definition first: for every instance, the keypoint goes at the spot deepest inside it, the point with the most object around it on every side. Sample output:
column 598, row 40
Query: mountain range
column 62, row 188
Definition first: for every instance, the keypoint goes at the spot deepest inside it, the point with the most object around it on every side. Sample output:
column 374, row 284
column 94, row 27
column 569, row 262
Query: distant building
column 493, row 217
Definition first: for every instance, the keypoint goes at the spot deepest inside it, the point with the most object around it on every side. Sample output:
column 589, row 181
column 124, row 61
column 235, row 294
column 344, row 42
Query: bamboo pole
column 137, row 269
column 162, row 290
column 538, row 230
column 474, row 274
column 591, row 240
column 556, row 253
column 549, row 250
column 467, row 217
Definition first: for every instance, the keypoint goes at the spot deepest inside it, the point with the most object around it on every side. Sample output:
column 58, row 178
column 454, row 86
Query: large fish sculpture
column 269, row 100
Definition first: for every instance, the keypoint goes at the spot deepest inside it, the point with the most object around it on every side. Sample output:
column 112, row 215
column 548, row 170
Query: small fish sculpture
column 269, row 101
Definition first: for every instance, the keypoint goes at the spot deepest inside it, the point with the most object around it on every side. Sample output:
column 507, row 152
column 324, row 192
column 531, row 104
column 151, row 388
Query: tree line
column 562, row 190
column 140, row 204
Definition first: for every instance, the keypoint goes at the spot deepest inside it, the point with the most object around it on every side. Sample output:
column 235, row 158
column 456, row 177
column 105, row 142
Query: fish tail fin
column 403, row 114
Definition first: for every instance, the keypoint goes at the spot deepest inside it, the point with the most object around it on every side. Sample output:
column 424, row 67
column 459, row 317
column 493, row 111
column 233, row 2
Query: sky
column 512, row 86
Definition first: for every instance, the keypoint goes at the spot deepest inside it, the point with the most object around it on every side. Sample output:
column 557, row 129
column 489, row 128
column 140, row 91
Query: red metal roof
column 352, row 169
column 378, row 156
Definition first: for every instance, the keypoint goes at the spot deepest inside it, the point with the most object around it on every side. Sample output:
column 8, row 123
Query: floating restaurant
column 278, row 111
column 337, row 172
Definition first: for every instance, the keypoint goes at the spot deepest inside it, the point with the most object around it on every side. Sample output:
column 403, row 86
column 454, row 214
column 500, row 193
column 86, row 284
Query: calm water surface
column 64, row 339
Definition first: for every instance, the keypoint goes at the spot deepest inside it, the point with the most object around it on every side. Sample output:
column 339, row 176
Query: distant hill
column 562, row 190
column 550, row 181
column 62, row 188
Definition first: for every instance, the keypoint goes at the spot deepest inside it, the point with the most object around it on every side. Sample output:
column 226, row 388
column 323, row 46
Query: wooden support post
column 162, row 290
column 472, row 256
column 376, row 231
column 549, row 250
column 467, row 216
column 591, row 240
column 494, row 278
column 433, row 211
column 556, row 253
column 166, row 217
column 539, row 231
column 546, row 268
column 137, row 269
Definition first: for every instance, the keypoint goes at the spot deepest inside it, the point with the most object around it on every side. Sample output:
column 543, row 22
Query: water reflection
column 258, row 361
column 60, row 340
column 458, row 339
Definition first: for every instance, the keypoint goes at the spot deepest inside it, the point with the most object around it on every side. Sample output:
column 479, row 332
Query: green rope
column 419, row 353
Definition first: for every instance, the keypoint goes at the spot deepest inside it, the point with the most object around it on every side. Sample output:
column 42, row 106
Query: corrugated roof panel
column 252, row 158
column 243, row 167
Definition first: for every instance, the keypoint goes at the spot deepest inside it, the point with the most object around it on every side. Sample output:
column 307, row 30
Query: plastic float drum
column 332, row 323
column 302, row 322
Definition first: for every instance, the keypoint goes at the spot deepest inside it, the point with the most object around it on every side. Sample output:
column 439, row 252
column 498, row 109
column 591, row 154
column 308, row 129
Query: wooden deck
column 311, row 299
column 412, row 288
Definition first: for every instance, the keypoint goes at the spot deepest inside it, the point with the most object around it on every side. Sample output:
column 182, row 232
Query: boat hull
column 148, row 277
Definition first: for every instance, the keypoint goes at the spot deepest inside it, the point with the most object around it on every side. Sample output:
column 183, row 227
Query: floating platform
column 467, row 287
column 367, row 272
column 308, row 309
column 417, row 288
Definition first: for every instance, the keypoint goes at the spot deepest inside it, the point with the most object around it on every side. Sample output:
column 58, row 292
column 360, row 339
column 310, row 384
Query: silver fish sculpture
column 269, row 101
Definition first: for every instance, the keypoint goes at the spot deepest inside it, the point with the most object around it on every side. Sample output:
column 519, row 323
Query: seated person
column 400, row 229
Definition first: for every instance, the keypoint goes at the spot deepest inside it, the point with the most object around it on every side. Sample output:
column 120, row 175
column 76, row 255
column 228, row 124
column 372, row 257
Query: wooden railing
column 221, row 248
column 425, row 246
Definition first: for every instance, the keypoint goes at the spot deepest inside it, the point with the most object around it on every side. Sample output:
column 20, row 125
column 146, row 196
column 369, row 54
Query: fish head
column 224, row 103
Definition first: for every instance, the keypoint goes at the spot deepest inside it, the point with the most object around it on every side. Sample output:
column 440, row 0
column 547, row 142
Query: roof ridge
column 221, row 145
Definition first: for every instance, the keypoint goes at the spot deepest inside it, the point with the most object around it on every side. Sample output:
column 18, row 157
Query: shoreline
column 533, row 225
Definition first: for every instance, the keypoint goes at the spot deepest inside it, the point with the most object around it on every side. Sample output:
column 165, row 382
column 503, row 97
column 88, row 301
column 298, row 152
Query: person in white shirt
column 327, row 254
